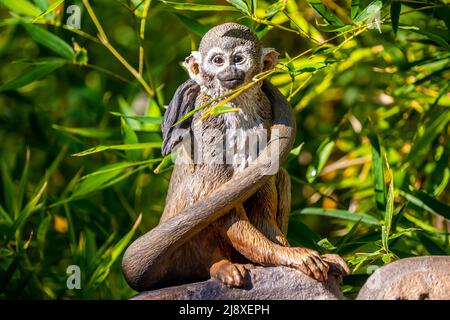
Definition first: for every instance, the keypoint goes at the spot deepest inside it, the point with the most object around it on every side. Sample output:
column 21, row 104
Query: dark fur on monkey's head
column 229, row 56
column 230, row 35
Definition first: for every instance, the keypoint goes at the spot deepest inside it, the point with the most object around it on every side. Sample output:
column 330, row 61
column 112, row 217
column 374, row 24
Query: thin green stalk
column 104, row 40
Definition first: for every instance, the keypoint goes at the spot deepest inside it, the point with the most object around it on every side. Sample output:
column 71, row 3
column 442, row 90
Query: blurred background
column 83, row 86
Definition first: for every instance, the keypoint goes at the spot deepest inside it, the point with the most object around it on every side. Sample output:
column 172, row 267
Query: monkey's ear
column 269, row 58
column 192, row 65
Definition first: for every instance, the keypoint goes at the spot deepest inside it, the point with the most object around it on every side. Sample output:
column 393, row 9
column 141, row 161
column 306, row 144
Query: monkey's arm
column 145, row 260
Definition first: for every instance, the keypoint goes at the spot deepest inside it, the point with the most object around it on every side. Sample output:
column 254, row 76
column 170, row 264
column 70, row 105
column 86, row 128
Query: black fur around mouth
column 231, row 83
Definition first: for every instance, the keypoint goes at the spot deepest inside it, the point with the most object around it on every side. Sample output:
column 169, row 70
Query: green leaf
column 21, row 7
column 312, row 67
column 143, row 119
column 86, row 132
column 320, row 159
column 340, row 214
column 354, row 9
column 42, row 230
column 165, row 164
column 95, row 182
column 31, row 207
column 240, row 5
column 198, row 7
column 426, row 202
column 325, row 13
column 222, row 109
column 301, row 235
column 440, row 41
column 273, row 9
column 378, row 173
column 50, row 41
column 396, row 7
column 193, row 25
column 32, row 75
column 51, row 8
column 130, row 137
column 430, row 245
column 9, row 190
column 136, row 146
column 326, row 245
column 102, row 270
column 386, row 229
column 120, row 166
column 22, row 184
column 422, row 141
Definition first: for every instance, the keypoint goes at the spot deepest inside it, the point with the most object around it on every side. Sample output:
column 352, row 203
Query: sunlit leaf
column 135, row 146
column 340, row 214
column 198, row 7
column 21, row 7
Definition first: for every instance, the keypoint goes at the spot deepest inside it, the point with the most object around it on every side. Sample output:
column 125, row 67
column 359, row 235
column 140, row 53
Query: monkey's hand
column 307, row 261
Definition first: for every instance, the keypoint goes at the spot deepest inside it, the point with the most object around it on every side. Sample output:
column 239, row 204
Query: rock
column 274, row 283
column 415, row 278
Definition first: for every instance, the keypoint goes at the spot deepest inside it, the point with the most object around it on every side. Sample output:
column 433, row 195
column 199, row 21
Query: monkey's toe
column 231, row 274
column 336, row 264
column 310, row 263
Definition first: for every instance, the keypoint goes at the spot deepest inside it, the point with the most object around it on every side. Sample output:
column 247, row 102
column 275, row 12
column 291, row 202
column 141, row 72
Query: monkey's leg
column 283, row 183
column 229, row 273
column 256, row 247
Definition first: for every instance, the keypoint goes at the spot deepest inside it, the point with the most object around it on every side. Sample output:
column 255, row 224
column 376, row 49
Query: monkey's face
column 229, row 68
column 229, row 56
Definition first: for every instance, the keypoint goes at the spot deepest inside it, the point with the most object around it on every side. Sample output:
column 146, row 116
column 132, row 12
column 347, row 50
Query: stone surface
column 274, row 283
column 415, row 278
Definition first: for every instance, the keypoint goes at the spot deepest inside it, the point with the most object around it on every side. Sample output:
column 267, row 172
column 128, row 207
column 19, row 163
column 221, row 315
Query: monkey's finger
column 315, row 267
column 322, row 266
column 238, row 277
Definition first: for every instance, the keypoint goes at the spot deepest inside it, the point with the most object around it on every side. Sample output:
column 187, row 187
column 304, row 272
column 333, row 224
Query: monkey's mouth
column 231, row 82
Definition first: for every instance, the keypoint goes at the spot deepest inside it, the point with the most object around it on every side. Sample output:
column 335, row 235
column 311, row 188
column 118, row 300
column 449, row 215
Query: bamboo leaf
column 320, row 159
column 354, row 9
column 426, row 202
column 396, row 7
column 198, row 7
column 21, row 7
column 50, row 41
column 193, row 25
column 240, row 5
column 32, row 75
column 325, row 13
column 130, row 137
column 51, row 8
column 144, row 119
column 135, row 146
column 86, row 132
column 340, row 214
column 102, row 270
column 378, row 173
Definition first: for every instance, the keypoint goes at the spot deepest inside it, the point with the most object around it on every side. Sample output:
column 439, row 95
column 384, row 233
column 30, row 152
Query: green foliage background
column 370, row 180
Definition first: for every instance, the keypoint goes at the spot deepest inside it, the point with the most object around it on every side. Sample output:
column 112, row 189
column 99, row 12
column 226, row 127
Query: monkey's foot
column 309, row 262
column 231, row 274
column 336, row 263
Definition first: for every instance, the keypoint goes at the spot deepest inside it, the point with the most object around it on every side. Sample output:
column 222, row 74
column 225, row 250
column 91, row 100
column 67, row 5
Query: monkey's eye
column 218, row 60
column 238, row 58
